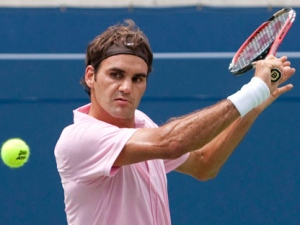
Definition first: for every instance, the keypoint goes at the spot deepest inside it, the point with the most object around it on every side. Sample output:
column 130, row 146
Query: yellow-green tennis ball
column 15, row 152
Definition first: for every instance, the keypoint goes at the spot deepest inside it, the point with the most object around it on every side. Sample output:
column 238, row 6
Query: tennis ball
column 15, row 152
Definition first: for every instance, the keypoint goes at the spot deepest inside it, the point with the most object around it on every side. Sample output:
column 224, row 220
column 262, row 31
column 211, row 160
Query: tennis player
column 113, row 159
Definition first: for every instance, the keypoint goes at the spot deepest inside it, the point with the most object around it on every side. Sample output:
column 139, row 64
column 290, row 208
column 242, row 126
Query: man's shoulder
column 142, row 118
column 140, row 114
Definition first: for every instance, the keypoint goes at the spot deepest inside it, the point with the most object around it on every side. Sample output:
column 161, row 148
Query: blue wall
column 258, row 185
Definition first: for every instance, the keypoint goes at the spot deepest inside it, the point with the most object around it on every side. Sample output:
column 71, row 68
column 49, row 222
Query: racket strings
column 260, row 42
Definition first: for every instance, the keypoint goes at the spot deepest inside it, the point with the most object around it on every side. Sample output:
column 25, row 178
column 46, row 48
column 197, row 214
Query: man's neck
column 99, row 113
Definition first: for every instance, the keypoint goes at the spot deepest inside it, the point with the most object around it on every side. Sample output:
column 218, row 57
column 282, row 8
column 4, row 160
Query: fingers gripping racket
column 263, row 41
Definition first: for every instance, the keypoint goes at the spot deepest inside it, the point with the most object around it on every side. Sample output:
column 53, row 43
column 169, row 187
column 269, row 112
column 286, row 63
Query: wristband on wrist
column 250, row 96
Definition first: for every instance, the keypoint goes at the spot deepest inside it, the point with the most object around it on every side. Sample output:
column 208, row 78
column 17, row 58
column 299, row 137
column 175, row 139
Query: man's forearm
column 197, row 129
column 206, row 162
column 219, row 149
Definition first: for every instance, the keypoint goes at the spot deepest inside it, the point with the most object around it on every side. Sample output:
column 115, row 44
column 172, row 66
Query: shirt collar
column 81, row 114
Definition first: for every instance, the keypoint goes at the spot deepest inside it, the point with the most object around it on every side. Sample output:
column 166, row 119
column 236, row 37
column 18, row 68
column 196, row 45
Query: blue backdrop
column 258, row 185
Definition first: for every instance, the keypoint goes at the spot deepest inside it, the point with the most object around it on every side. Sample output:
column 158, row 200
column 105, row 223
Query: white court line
column 165, row 55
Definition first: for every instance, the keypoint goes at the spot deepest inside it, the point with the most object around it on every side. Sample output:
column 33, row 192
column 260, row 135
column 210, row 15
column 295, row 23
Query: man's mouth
column 122, row 100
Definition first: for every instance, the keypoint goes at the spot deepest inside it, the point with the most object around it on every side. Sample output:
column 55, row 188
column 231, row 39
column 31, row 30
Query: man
column 113, row 160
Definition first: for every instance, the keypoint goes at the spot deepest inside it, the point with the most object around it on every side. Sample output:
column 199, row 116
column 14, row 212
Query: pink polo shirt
column 95, row 192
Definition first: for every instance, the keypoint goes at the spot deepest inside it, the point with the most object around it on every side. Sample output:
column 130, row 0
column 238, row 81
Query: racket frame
column 273, row 46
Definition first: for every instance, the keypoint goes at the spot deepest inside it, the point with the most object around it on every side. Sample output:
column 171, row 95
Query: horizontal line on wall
column 36, row 100
column 146, row 3
column 165, row 55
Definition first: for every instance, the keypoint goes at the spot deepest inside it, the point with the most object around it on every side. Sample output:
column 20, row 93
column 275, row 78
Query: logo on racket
column 275, row 74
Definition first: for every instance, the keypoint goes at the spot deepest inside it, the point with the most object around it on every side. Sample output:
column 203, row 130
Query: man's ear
column 89, row 76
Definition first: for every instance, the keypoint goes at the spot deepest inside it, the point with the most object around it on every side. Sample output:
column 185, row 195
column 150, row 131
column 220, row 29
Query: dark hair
column 124, row 38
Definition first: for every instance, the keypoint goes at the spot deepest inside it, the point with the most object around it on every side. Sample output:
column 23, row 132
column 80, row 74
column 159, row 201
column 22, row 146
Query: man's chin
column 123, row 115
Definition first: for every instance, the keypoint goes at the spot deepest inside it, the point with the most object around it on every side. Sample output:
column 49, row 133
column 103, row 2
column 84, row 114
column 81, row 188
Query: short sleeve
column 87, row 151
column 174, row 163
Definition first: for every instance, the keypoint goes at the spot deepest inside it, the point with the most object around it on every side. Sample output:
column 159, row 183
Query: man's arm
column 194, row 131
column 179, row 136
column 206, row 162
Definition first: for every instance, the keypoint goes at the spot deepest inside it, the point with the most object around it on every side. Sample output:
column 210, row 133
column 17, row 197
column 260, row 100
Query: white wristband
column 250, row 96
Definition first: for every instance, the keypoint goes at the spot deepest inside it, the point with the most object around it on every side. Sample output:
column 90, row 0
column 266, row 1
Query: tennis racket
column 263, row 41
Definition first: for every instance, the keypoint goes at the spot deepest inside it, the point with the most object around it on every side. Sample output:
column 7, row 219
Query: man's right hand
column 264, row 67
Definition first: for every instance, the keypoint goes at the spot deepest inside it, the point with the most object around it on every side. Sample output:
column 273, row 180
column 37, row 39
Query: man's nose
column 126, row 86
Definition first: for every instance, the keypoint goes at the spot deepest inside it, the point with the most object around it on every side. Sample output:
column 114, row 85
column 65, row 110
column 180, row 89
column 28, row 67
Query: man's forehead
column 125, row 62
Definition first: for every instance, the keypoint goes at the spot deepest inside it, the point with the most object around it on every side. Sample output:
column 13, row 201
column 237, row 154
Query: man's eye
column 116, row 75
column 138, row 79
